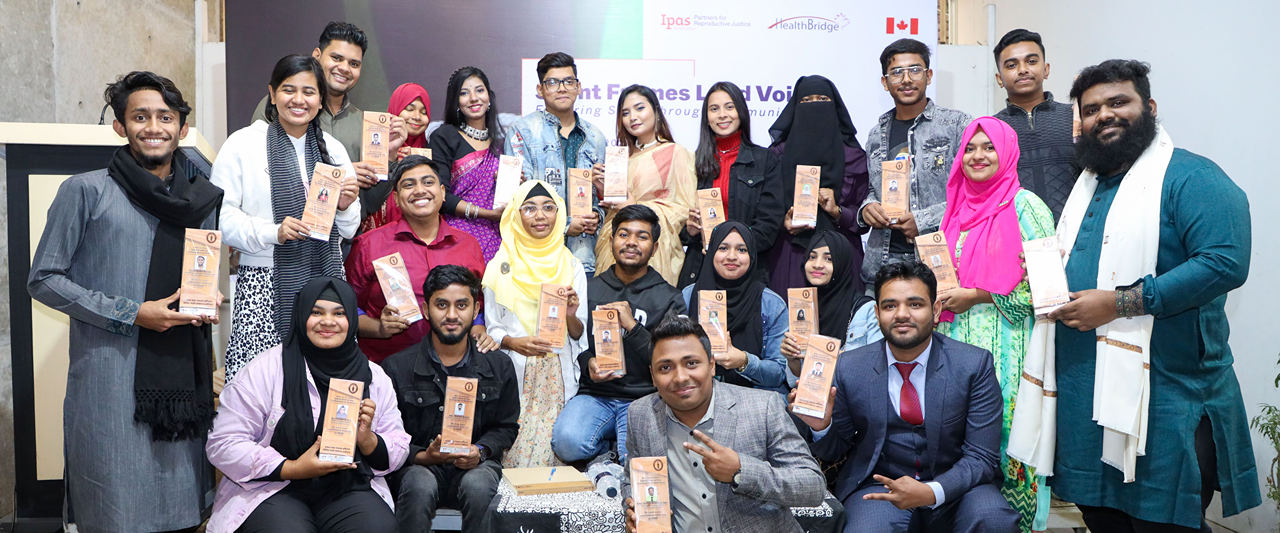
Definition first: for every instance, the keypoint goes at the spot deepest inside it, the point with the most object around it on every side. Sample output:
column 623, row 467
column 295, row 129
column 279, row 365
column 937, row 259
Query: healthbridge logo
column 807, row 23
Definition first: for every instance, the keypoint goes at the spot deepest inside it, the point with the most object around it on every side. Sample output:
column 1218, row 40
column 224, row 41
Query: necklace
column 644, row 147
column 477, row 134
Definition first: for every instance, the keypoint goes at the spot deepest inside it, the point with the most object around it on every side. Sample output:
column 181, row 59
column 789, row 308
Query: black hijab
column 743, row 296
column 296, row 430
column 173, row 374
column 838, row 298
column 815, row 134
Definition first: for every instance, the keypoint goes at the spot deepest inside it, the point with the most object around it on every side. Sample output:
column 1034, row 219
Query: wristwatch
column 484, row 452
column 737, row 479
column 746, row 361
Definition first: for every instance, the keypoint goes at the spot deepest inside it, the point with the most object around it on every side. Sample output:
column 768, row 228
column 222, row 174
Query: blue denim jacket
column 934, row 139
column 768, row 370
column 536, row 138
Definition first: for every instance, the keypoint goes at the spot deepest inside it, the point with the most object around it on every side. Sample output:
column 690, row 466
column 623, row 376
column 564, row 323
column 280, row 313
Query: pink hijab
column 404, row 95
column 986, row 210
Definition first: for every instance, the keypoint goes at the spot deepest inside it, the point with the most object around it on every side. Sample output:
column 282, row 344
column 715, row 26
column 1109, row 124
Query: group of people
column 1131, row 382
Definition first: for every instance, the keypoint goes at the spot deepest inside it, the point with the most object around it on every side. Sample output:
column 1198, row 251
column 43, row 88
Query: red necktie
column 908, row 400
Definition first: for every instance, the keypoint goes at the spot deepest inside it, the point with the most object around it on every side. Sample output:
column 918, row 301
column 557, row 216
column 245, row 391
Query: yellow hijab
column 516, row 273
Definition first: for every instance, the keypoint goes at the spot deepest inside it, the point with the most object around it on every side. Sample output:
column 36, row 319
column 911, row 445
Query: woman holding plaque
column 659, row 175
column 533, row 254
column 266, row 171
column 987, row 218
column 410, row 102
column 264, row 439
column 757, row 319
column 727, row 160
column 814, row 129
column 469, row 144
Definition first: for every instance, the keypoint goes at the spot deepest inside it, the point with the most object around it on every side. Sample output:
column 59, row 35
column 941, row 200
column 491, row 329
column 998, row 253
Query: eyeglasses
column 552, row 84
column 547, row 209
column 895, row 75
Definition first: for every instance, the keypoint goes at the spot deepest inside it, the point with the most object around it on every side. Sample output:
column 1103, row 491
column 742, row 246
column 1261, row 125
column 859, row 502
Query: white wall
column 1213, row 76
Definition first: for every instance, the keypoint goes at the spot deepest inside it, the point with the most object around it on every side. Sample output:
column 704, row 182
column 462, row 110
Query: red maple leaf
column 902, row 24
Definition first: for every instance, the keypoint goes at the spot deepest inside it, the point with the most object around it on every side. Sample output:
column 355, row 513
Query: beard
column 1106, row 159
column 910, row 341
column 447, row 339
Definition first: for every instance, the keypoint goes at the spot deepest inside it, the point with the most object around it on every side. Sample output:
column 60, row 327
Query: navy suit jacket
column 963, row 416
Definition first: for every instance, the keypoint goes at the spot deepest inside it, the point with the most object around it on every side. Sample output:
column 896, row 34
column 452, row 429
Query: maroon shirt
column 451, row 247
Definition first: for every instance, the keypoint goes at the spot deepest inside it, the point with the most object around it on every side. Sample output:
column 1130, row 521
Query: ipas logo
column 669, row 22
column 810, row 23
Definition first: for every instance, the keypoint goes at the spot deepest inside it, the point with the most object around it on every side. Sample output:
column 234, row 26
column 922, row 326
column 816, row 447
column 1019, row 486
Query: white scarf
column 1122, row 380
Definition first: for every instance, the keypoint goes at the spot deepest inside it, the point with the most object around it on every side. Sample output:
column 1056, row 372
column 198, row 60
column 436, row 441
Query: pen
column 553, row 474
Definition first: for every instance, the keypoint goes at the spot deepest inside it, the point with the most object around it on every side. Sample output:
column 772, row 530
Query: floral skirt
column 540, row 404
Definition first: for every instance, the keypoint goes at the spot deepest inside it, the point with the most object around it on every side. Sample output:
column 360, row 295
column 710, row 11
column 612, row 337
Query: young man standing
column 139, row 391
column 598, row 413
column 735, row 461
column 917, row 131
column 556, row 139
column 420, row 374
column 1047, row 166
column 1149, row 281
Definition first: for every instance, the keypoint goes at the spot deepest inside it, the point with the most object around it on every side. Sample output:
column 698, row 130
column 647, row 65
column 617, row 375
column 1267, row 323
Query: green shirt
column 1205, row 240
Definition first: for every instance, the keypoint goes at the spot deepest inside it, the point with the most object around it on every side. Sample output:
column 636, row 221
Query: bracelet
column 743, row 368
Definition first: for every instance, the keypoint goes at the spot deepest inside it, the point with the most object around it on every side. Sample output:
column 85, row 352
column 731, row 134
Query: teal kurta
column 1204, row 253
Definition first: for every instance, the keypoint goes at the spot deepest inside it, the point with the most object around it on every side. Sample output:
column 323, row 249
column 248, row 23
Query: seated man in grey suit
column 736, row 462
column 922, row 413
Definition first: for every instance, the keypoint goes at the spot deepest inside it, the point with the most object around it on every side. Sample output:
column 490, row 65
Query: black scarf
column 836, row 299
column 295, row 262
column 173, row 375
column 815, row 134
column 742, row 297
column 297, row 430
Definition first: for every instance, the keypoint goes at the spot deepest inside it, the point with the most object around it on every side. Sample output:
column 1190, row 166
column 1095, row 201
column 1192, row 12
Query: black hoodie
column 651, row 298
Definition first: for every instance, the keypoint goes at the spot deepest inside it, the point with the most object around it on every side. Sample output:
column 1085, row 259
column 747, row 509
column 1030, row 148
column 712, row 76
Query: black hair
column 441, row 277
column 555, row 60
column 903, row 46
column 286, row 68
column 343, row 31
column 707, row 164
column 117, row 94
column 642, row 213
column 453, row 112
column 625, row 138
column 675, row 326
column 907, row 270
column 1112, row 71
column 415, row 161
column 1018, row 36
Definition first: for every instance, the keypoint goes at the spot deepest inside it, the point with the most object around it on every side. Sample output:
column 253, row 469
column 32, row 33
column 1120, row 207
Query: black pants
column 360, row 511
column 420, row 490
column 1108, row 520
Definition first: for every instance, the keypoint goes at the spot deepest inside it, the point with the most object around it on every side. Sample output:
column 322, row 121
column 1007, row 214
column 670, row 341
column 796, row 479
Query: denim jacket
column 934, row 139
column 536, row 138
column 767, row 370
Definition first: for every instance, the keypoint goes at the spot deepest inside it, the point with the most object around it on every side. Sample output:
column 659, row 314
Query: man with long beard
column 1143, row 365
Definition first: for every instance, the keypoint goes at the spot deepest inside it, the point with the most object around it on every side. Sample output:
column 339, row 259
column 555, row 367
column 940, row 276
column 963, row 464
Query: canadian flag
column 893, row 26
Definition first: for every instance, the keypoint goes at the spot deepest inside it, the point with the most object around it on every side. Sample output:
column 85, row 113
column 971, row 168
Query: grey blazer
column 963, row 416
column 777, row 470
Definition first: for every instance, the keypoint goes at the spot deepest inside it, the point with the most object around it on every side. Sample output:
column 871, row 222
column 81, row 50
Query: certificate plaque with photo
column 615, row 173
column 406, row 151
column 711, row 209
column 375, row 140
column 650, row 493
column 510, row 173
column 341, row 420
column 1046, row 275
column 580, row 192
column 934, row 253
column 805, row 209
column 814, row 386
column 553, row 307
column 714, row 317
column 607, row 333
column 802, row 312
column 895, row 189
column 201, row 263
column 397, row 289
column 459, row 414
column 322, row 201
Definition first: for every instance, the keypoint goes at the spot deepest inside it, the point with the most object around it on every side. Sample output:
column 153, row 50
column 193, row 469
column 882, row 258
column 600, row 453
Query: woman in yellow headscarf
column 533, row 254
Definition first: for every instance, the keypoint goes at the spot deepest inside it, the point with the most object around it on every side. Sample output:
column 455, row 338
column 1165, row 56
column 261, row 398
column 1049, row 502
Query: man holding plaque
column 1155, row 237
column 926, row 137
column 735, row 461
column 466, row 481
column 140, row 380
column 921, row 414
column 424, row 240
column 641, row 298
column 556, row 139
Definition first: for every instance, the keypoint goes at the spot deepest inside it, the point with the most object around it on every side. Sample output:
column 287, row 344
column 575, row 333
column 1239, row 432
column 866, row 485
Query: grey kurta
column 92, row 264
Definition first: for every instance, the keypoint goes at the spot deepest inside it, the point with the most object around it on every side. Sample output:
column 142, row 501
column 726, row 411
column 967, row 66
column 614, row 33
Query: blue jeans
column 585, row 426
